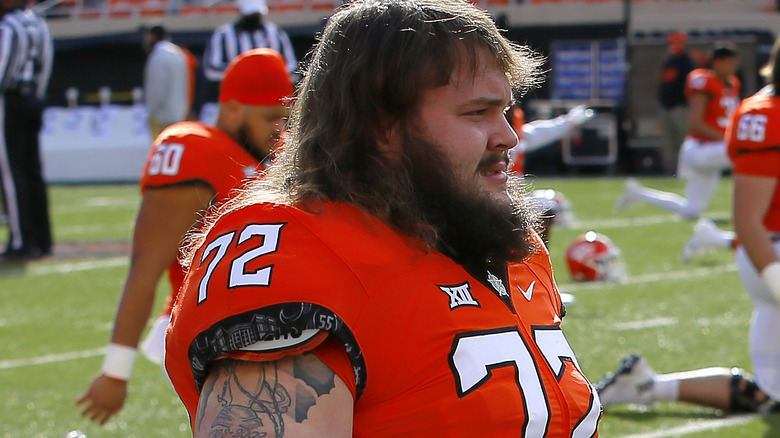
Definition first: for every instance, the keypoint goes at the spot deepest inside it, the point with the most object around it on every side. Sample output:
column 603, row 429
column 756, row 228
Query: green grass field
column 56, row 316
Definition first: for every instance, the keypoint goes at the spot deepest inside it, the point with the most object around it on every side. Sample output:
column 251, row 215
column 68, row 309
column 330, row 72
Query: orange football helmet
column 593, row 257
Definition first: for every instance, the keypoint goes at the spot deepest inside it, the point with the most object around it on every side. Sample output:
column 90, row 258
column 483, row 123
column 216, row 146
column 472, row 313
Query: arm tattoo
column 258, row 407
column 205, row 393
column 315, row 376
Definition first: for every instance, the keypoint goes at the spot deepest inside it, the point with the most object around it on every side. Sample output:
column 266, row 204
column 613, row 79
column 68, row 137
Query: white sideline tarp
column 91, row 144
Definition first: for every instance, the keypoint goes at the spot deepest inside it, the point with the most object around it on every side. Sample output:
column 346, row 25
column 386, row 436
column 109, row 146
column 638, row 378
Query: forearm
column 135, row 307
column 164, row 217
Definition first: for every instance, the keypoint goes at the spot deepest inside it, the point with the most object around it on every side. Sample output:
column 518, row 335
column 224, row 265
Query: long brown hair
column 371, row 66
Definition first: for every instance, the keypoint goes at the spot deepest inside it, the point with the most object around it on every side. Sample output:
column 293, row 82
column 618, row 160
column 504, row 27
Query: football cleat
column 631, row 382
column 704, row 233
column 629, row 195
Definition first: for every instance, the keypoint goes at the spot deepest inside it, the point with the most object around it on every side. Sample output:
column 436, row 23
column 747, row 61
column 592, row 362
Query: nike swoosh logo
column 528, row 293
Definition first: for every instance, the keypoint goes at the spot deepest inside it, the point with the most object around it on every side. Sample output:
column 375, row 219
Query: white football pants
column 764, row 326
column 701, row 164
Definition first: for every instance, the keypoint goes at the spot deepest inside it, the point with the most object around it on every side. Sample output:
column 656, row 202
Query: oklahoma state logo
column 460, row 295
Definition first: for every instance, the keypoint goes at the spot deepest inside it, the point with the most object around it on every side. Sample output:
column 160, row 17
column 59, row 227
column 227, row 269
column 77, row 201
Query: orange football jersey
column 192, row 152
column 434, row 348
column 723, row 98
column 753, row 139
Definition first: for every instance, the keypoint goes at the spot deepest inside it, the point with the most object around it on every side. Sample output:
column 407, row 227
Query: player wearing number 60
column 190, row 167
column 384, row 279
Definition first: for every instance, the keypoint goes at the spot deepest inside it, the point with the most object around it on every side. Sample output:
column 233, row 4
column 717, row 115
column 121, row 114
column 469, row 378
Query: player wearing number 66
column 190, row 167
column 753, row 139
column 384, row 279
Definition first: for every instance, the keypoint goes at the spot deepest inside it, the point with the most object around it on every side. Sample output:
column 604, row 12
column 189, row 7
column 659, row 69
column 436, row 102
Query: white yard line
column 696, row 426
column 89, row 230
column 50, row 358
column 646, row 323
column 126, row 202
column 624, row 222
column 68, row 267
column 649, row 278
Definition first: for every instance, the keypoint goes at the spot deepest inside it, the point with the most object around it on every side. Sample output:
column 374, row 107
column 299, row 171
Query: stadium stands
column 117, row 9
column 81, row 26
column 675, row 14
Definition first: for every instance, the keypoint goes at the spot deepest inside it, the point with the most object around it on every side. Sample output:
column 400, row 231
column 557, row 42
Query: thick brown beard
column 472, row 226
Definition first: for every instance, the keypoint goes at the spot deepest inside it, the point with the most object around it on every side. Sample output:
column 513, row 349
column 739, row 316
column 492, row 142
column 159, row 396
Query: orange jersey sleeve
column 722, row 98
column 414, row 335
column 753, row 140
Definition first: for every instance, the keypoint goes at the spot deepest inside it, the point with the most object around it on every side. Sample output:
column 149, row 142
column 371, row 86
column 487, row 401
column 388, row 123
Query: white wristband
column 771, row 276
column 119, row 361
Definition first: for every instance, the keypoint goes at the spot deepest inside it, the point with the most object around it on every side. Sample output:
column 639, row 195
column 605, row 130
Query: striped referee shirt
column 227, row 42
column 26, row 53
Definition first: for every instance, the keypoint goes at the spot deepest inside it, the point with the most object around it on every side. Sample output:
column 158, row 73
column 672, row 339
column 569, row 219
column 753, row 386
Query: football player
column 752, row 137
column 540, row 133
column 713, row 94
column 384, row 278
column 728, row 389
column 190, row 167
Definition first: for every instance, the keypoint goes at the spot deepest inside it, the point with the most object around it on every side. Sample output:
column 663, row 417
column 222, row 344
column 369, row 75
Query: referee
column 252, row 30
column 26, row 55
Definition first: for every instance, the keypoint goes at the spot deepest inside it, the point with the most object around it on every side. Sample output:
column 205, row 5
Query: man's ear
column 232, row 112
column 230, row 116
column 232, row 108
column 389, row 138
